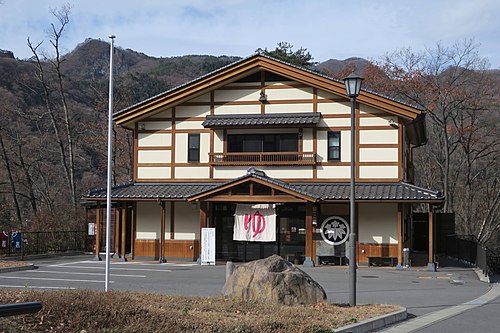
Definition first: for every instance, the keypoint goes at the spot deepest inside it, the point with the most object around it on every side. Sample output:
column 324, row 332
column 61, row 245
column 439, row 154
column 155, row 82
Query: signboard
column 335, row 230
column 255, row 223
column 91, row 229
column 208, row 246
column 4, row 240
column 17, row 240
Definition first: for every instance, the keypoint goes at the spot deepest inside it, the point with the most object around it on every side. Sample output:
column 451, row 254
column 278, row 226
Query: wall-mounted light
column 392, row 123
column 263, row 97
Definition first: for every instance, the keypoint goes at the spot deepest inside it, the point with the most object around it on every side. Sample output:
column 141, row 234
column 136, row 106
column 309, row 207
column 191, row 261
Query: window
column 193, row 148
column 239, row 143
column 334, row 146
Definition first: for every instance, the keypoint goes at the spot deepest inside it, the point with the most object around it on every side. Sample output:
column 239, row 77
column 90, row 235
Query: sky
column 336, row 29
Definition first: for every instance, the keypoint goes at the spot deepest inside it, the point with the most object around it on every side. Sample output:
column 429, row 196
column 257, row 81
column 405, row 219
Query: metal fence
column 468, row 250
column 28, row 243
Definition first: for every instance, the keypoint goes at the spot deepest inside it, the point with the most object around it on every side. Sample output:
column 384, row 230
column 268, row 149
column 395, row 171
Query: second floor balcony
column 263, row 158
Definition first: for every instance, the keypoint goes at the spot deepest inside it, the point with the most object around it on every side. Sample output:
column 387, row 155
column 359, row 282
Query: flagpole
column 110, row 152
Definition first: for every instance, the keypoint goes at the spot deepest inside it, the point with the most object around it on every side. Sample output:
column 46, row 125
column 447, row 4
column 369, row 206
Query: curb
column 376, row 323
column 17, row 268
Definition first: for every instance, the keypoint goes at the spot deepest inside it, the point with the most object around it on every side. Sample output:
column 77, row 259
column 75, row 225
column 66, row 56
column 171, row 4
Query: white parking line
column 81, row 273
column 32, row 287
column 72, row 263
column 123, row 269
column 46, row 279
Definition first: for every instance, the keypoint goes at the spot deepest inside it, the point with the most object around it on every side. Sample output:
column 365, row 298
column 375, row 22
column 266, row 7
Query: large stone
column 273, row 280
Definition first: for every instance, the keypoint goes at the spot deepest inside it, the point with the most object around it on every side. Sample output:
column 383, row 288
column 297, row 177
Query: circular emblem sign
column 335, row 230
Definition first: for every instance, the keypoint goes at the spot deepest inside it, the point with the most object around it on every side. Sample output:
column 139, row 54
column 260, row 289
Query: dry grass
column 93, row 311
column 13, row 263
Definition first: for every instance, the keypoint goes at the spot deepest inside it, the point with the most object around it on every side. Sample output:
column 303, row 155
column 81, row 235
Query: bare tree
column 63, row 132
column 453, row 85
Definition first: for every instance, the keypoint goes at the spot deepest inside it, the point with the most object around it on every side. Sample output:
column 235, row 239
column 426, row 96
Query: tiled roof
column 369, row 191
column 151, row 191
column 324, row 191
column 230, row 120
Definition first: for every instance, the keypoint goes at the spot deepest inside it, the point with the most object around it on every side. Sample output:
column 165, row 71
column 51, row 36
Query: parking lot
column 418, row 290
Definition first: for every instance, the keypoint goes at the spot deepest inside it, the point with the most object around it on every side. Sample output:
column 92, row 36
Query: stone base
column 308, row 262
column 431, row 267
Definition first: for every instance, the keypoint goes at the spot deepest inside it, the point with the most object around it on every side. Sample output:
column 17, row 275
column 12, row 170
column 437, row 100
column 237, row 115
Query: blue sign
column 17, row 240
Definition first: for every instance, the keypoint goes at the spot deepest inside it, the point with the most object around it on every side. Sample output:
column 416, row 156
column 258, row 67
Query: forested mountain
column 54, row 120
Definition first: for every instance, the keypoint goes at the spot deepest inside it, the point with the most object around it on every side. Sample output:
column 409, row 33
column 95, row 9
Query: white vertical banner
column 255, row 223
column 208, row 246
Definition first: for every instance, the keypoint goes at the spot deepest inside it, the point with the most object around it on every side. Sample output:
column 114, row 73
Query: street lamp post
column 110, row 152
column 353, row 88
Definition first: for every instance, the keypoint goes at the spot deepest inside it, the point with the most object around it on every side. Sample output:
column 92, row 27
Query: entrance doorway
column 290, row 235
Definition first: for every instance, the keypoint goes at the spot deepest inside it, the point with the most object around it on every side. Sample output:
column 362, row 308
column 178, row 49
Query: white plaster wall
column 335, row 122
column 154, row 139
column 334, row 108
column 153, row 172
column 163, row 114
column 218, row 141
column 345, row 146
column 192, row 111
column 378, row 136
column 368, row 109
column 154, row 156
column 377, row 121
column 378, row 171
column 192, row 172
column 291, row 93
column 181, row 141
column 237, row 109
column 272, row 171
column 155, row 125
column 307, row 139
column 329, row 171
column 288, row 108
column 186, row 221
column 378, row 154
column 237, row 95
column 149, row 220
column 326, row 95
column 204, row 147
column 378, row 223
column 202, row 98
column 189, row 124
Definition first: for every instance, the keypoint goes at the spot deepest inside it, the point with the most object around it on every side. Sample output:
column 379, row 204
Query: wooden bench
column 323, row 260
column 382, row 260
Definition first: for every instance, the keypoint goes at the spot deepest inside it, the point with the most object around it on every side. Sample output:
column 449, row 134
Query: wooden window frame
column 331, row 158
column 191, row 135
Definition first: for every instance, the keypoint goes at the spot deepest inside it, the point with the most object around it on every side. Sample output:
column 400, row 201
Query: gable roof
column 250, row 65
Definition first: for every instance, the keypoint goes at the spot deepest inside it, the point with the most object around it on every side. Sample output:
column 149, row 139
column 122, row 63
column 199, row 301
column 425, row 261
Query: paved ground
column 420, row 291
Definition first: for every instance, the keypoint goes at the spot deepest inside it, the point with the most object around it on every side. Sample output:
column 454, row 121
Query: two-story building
column 260, row 150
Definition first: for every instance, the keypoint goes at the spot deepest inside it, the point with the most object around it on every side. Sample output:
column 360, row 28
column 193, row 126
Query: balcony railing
column 273, row 158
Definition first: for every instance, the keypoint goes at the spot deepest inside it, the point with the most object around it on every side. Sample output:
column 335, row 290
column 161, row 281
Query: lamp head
column 353, row 84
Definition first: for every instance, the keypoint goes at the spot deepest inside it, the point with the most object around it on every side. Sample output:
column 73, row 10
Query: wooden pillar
column 431, row 265
column 133, row 228
column 123, row 230
column 162, row 233
column 98, row 230
column 309, row 260
column 203, row 221
column 400, row 236
column 172, row 220
column 117, row 230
